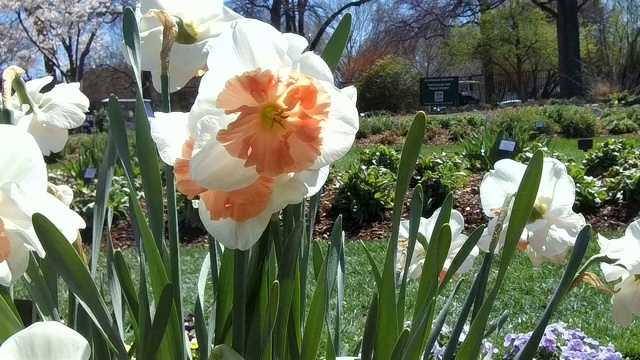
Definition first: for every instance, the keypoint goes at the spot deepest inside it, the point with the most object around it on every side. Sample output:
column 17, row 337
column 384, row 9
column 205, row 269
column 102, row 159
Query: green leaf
column 224, row 352
column 374, row 266
column 132, row 42
column 370, row 328
column 442, row 316
column 224, row 301
column 150, row 173
column 401, row 344
column 335, row 46
column 105, row 176
column 462, row 255
column 387, row 331
column 577, row 254
column 415, row 214
column 160, row 320
column 37, row 287
column 10, row 322
column 77, row 277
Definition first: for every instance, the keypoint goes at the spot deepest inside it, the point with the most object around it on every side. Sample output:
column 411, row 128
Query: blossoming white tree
column 63, row 32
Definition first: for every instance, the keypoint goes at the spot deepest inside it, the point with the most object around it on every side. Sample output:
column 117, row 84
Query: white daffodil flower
column 198, row 21
column 426, row 229
column 625, row 302
column 53, row 113
column 552, row 226
column 48, row 340
column 626, row 250
column 265, row 126
column 23, row 192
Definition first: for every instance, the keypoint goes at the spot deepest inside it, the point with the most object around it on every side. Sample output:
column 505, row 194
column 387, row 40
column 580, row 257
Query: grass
column 524, row 294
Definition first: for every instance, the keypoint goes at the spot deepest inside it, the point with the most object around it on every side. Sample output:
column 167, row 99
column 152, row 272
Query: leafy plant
column 482, row 148
column 365, row 192
column 439, row 175
column 572, row 121
column 382, row 156
column 607, row 154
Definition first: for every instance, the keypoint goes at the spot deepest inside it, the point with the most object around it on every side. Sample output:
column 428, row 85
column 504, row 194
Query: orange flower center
column 238, row 205
column 279, row 120
column 5, row 245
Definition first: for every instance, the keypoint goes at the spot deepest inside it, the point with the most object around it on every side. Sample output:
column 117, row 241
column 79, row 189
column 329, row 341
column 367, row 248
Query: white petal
column 21, row 160
column 296, row 46
column 498, row 183
column 65, row 219
column 64, row 106
column 34, row 86
column 211, row 165
column 13, row 267
column 248, row 44
column 48, row 340
column 313, row 65
column 456, row 223
column 49, row 138
column 626, row 302
column 150, row 45
column 404, row 229
column 232, row 234
column 65, row 192
column 549, row 239
column 339, row 130
column 313, row 180
column 557, row 185
column 169, row 131
column 613, row 272
column 633, row 230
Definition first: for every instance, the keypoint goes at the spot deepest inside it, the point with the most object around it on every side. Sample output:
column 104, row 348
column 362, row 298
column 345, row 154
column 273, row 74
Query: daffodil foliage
column 253, row 154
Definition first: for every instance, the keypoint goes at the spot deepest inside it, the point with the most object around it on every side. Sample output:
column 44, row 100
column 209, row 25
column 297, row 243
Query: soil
column 467, row 201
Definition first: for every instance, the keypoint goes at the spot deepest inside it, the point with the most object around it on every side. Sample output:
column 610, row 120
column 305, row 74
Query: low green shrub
column 620, row 121
column 439, row 174
column 481, row 148
column 382, row 156
column 606, row 155
column 572, row 121
column 365, row 193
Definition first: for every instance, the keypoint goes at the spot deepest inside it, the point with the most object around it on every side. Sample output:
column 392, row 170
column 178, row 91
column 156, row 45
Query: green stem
column 21, row 91
column 174, row 245
column 166, row 100
column 239, row 300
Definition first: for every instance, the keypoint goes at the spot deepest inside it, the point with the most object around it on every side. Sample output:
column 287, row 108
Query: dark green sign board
column 440, row 91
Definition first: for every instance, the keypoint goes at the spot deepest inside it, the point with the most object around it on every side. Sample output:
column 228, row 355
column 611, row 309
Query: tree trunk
column 569, row 61
column 276, row 14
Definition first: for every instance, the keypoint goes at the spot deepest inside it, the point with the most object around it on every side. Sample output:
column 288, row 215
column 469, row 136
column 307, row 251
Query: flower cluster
column 568, row 344
column 190, row 332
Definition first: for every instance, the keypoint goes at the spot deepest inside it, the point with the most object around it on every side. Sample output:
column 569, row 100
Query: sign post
column 439, row 92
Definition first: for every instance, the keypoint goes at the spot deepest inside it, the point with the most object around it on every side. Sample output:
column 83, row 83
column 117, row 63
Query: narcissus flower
column 48, row 340
column 626, row 250
column 426, row 229
column 23, row 192
column 552, row 225
column 197, row 22
column 53, row 114
column 265, row 126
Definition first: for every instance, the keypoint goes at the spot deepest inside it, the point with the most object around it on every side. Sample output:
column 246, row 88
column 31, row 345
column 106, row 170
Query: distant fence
column 538, row 85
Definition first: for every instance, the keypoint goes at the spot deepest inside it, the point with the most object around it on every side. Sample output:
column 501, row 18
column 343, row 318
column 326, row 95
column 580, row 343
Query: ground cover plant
column 253, row 157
